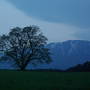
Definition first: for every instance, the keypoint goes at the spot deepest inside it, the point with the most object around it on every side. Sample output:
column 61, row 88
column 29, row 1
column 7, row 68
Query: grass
column 37, row 80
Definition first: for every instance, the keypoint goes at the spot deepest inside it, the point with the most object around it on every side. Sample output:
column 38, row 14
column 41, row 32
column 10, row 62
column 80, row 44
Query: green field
column 37, row 80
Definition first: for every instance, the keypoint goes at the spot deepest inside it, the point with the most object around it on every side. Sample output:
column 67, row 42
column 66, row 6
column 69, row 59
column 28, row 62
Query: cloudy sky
column 59, row 20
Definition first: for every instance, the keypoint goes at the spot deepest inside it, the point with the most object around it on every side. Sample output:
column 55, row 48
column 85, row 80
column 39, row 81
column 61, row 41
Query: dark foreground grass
column 36, row 80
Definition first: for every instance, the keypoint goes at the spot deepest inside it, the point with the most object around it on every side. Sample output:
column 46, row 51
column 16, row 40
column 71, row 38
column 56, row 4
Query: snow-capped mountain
column 66, row 54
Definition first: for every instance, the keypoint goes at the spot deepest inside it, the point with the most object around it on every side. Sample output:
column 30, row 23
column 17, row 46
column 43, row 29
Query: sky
column 59, row 20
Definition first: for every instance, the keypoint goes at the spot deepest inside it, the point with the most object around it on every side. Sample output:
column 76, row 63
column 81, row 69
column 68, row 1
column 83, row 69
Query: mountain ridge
column 65, row 55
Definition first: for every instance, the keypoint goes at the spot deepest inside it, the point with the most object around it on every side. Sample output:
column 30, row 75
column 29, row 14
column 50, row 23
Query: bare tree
column 25, row 46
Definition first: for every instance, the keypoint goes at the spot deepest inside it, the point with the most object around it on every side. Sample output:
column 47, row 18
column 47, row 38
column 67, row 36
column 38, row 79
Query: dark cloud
column 74, row 12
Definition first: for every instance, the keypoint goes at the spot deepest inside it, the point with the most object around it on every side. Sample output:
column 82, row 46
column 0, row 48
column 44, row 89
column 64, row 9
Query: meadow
column 44, row 80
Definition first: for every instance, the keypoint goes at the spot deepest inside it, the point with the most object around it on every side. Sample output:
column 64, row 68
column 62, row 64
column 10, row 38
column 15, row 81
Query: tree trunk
column 23, row 68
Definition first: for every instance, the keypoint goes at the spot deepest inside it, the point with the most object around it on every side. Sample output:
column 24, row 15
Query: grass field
column 37, row 80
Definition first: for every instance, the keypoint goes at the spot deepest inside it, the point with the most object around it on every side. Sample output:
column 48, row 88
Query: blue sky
column 59, row 19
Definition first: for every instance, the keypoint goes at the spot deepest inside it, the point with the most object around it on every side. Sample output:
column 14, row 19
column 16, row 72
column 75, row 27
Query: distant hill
column 80, row 68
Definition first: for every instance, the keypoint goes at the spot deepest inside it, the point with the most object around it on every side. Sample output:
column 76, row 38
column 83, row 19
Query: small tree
column 25, row 45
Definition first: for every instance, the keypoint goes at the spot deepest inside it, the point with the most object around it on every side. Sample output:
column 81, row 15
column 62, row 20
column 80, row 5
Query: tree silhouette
column 25, row 45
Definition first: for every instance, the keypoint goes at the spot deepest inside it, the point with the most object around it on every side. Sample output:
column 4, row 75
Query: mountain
column 69, row 53
column 66, row 54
